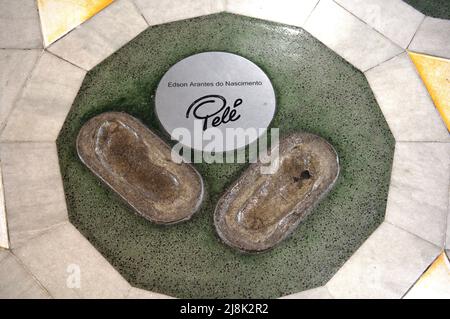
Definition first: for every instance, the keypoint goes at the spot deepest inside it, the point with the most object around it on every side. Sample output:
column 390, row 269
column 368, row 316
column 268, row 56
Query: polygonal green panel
column 317, row 91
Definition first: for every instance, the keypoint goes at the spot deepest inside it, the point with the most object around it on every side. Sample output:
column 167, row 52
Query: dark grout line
column 310, row 14
column 389, row 59
column 22, row 49
column 41, row 31
column 379, row 32
column 414, row 35
column 20, row 93
column 28, row 271
column 59, row 57
column 415, row 235
column 423, row 272
column 140, row 12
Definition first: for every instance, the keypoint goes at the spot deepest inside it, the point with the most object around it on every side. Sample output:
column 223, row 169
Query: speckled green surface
column 317, row 91
column 433, row 8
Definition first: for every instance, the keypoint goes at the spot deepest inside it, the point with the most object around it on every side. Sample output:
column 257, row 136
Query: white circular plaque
column 215, row 94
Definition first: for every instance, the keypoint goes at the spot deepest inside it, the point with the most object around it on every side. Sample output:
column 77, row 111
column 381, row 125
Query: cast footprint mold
column 260, row 210
column 137, row 165
column 256, row 213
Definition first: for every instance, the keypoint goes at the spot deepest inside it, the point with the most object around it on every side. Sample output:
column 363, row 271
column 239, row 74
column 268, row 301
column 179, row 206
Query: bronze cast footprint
column 137, row 165
column 258, row 211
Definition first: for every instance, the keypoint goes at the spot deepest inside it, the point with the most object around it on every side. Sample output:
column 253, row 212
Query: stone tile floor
column 435, row 281
column 39, row 81
column 59, row 17
column 328, row 99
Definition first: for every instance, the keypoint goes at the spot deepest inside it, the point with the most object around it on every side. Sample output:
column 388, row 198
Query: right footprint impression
column 260, row 210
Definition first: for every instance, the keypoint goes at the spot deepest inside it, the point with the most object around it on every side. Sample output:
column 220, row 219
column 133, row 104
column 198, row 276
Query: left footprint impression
column 136, row 164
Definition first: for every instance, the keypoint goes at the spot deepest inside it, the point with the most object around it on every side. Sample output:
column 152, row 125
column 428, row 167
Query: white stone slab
column 434, row 283
column 16, row 282
column 19, row 25
column 316, row 293
column 68, row 266
column 447, row 241
column 100, row 36
column 48, row 95
column 158, row 12
column 418, row 192
column 433, row 38
column 136, row 293
column 293, row 12
column 405, row 102
column 3, row 253
column 33, row 189
column 4, row 238
column 349, row 37
column 394, row 19
column 15, row 66
column 385, row 266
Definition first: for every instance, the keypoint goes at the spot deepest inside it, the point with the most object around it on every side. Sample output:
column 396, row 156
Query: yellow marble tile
column 435, row 281
column 435, row 73
column 58, row 17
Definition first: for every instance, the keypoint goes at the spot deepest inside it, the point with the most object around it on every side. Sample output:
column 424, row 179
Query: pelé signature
column 213, row 110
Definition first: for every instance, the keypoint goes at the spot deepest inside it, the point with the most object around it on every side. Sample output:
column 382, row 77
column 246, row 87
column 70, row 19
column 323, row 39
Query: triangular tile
column 434, row 282
column 435, row 73
column 60, row 17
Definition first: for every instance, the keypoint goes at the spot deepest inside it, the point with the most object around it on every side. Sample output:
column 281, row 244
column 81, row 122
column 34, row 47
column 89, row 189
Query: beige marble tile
column 4, row 237
column 447, row 240
column 385, row 266
column 349, row 37
column 395, row 19
column 434, row 283
column 158, row 12
column 15, row 66
column 405, row 102
column 34, row 194
column 16, row 282
column 136, row 293
column 60, row 17
column 68, row 266
column 100, row 36
column 418, row 192
column 48, row 95
column 3, row 253
column 291, row 12
column 19, row 25
column 432, row 38
column 316, row 293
